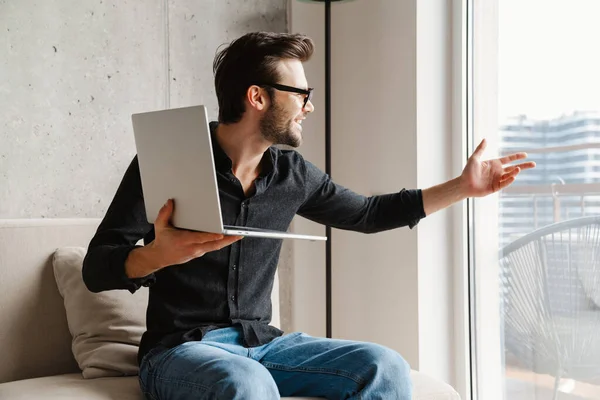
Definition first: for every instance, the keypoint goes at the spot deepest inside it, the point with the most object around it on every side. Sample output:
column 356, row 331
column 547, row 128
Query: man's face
column 282, row 121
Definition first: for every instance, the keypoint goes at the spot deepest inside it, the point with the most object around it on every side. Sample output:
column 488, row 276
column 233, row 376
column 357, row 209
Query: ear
column 257, row 98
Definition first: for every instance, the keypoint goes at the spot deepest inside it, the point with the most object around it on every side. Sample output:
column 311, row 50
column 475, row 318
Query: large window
column 535, row 247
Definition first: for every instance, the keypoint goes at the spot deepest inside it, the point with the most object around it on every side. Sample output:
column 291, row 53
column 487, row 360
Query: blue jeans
column 220, row 367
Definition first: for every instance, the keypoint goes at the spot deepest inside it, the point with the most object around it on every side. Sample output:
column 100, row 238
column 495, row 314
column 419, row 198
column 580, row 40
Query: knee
column 248, row 380
column 389, row 371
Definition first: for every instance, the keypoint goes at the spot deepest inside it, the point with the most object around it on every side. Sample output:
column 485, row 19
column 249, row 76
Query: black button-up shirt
column 232, row 286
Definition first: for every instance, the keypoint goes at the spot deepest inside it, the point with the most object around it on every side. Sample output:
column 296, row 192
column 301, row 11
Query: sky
column 549, row 57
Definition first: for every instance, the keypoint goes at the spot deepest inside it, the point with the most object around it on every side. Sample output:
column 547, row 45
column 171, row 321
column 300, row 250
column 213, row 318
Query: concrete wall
column 73, row 72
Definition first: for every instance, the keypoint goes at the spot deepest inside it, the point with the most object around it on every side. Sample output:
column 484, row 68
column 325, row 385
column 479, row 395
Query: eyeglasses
column 284, row 88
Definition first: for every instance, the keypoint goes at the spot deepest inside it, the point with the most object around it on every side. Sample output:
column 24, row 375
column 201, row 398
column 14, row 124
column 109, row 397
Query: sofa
column 43, row 356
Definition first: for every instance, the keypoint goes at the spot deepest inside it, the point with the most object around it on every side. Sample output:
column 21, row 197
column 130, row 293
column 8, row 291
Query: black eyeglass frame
column 284, row 88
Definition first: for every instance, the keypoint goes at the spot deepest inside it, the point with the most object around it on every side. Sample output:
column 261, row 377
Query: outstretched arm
column 478, row 179
column 331, row 204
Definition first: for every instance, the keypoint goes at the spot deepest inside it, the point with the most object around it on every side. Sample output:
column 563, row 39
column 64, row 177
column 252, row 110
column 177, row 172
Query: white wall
column 374, row 130
column 434, row 165
column 391, row 129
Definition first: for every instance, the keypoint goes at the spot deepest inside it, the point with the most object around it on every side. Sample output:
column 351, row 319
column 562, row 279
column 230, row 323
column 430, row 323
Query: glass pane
column 549, row 106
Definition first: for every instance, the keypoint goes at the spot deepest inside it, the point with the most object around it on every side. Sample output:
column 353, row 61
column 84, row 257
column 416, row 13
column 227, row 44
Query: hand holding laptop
column 172, row 246
column 178, row 246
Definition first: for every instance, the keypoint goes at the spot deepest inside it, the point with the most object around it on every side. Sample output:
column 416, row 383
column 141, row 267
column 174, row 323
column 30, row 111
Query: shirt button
column 232, row 298
column 232, row 179
column 234, row 267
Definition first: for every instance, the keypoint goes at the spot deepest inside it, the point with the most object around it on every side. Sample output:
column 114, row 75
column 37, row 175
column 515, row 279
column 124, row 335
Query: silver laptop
column 175, row 155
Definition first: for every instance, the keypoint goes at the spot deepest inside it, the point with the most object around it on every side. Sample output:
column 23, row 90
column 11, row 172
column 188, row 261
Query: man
column 208, row 333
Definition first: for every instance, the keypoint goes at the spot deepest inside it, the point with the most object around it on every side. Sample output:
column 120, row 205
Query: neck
column 244, row 145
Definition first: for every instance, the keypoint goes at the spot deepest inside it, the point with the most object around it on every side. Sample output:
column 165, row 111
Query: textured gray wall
column 73, row 71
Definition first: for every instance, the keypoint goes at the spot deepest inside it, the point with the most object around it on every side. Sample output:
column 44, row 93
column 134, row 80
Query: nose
column 309, row 107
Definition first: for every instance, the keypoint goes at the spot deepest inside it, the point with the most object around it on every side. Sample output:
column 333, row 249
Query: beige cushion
column 428, row 388
column 73, row 386
column 29, row 300
column 106, row 327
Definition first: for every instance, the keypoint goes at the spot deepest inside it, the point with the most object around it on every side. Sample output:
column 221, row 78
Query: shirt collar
column 223, row 162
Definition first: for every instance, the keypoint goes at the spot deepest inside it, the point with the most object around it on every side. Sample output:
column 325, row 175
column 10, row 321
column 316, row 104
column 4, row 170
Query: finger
column 513, row 172
column 202, row 237
column 521, row 167
column 506, row 182
column 164, row 214
column 219, row 244
column 480, row 149
column 512, row 157
column 527, row 165
column 509, row 169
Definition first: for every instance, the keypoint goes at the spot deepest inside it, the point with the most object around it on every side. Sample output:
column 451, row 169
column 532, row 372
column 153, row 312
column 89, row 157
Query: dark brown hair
column 250, row 60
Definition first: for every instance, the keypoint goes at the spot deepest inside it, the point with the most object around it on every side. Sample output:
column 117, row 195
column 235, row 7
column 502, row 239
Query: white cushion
column 106, row 327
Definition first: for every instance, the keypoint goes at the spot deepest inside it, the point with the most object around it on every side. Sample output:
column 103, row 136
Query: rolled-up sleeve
column 124, row 224
column 331, row 204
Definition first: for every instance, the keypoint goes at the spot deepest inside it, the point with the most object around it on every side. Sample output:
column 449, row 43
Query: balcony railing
column 567, row 199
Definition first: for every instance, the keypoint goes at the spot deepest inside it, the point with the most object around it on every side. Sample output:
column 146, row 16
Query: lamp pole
column 328, row 263
column 328, row 162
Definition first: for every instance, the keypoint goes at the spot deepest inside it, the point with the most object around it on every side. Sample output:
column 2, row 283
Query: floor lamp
column 327, row 4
